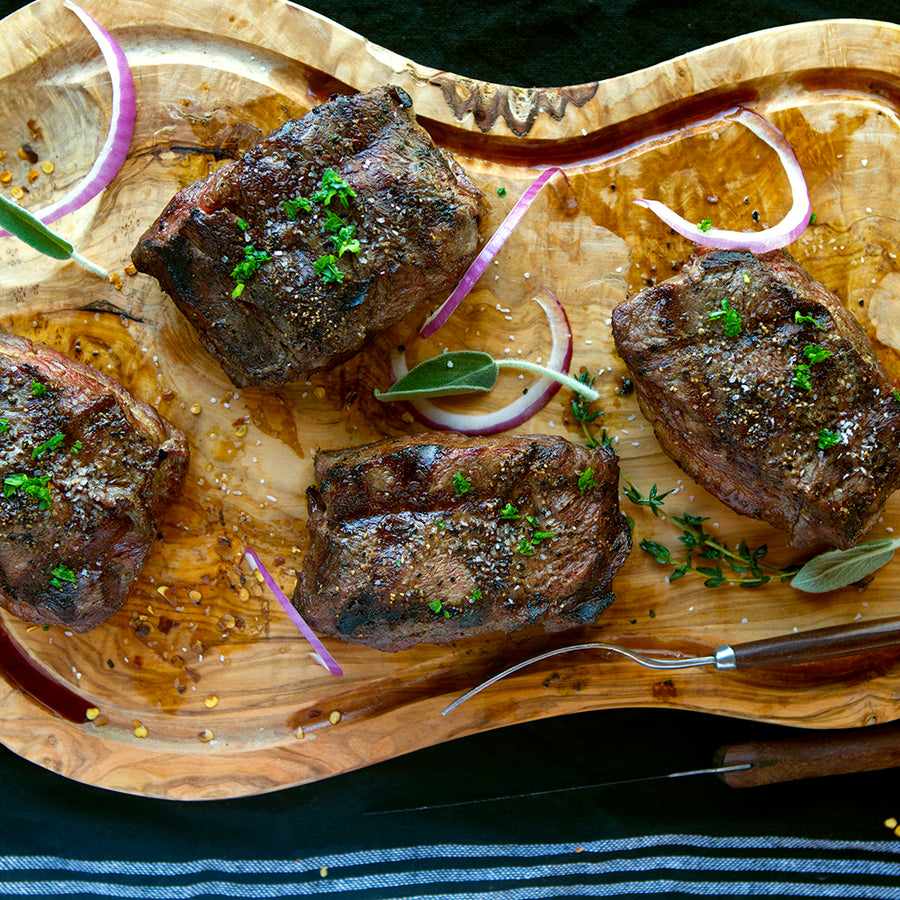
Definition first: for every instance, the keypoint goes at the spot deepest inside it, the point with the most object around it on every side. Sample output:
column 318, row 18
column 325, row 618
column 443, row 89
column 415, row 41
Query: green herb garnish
column 62, row 575
column 510, row 512
column 77, row 447
column 586, row 480
column 327, row 268
column 292, row 207
column 245, row 270
column 48, row 446
column 33, row 232
column 526, row 548
column 828, row 439
column 35, row 486
column 801, row 377
column 38, row 389
column 476, row 594
column 4, row 426
column 816, row 354
column 437, row 607
column 461, row 484
column 705, row 225
column 242, row 224
column 838, row 568
column 731, row 318
column 466, row 372
column 332, row 185
column 343, row 234
column 501, row 191
column 800, row 318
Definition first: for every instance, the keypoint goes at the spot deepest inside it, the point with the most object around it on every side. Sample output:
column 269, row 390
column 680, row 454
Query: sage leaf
column 838, row 568
column 32, row 231
column 457, row 372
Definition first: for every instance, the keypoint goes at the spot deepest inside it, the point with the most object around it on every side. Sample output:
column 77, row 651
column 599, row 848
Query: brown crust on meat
column 399, row 556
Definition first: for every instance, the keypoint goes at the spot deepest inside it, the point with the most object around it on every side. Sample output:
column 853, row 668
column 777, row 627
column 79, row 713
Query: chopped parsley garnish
column 527, row 545
column 38, row 389
column 437, row 607
column 292, row 207
column 586, row 480
column 705, row 225
column 526, row 548
column 801, row 377
column 816, row 354
column 461, row 484
column 476, row 594
column 48, row 446
column 343, row 234
column 501, row 191
column 4, row 426
column 245, row 270
column 332, row 185
column 242, row 224
column 746, row 277
column 510, row 512
column 897, row 396
column 62, row 575
column 731, row 318
column 812, row 219
column 77, row 447
column 828, row 439
column 800, row 318
column 35, row 486
column 327, row 269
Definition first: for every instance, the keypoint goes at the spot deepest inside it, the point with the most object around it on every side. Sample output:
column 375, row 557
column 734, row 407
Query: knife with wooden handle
column 813, row 755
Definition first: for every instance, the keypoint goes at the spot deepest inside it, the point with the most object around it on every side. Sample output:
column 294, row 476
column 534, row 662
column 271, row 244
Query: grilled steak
column 762, row 386
column 436, row 537
column 239, row 251
column 86, row 469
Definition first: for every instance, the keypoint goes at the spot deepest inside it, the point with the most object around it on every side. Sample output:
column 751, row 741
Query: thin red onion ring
column 523, row 407
column 323, row 655
column 780, row 235
column 488, row 252
column 121, row 127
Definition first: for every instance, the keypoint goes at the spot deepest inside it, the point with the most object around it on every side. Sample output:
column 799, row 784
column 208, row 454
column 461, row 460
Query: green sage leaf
column 839, row 568
column 36, row 234
column 458, row 372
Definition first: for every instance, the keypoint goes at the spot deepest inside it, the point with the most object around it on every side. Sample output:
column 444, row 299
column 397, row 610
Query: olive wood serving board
column 200, row 656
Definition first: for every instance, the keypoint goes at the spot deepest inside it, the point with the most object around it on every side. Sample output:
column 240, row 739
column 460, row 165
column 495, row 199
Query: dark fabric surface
column 685, row 836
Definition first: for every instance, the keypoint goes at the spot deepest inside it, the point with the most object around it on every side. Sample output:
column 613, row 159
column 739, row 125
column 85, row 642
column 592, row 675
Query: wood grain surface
column 200, row 655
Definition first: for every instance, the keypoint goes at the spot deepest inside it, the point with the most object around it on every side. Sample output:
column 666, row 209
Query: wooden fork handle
column 809, row 646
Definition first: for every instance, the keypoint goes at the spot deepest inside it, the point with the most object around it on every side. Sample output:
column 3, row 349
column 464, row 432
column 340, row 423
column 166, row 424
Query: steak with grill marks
column 436, row 537
column 86, row 472
column 763, row 387
column 415, row 214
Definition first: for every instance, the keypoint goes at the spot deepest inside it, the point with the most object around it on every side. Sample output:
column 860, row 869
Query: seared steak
column 239, row 251
column 436, row 537
column 762, row 386
column 85, row 469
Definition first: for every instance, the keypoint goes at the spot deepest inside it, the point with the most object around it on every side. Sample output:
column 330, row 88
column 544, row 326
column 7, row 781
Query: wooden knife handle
column 820, row 643
column 811, row 756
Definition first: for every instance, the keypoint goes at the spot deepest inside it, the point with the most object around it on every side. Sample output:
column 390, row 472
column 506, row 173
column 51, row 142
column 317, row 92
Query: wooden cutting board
column 201, row 656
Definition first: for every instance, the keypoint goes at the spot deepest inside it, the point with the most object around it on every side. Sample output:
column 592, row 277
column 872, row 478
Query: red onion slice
column 523, row 407
column 323, row 656
column 780, row 235
column 488, row 252
column 121, row 127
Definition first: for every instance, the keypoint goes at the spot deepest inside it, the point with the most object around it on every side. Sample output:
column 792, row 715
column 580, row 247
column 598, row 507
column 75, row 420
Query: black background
column 525, row 44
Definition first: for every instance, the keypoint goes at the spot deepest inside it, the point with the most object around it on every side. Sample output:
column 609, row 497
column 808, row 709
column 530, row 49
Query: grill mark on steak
column 394, row 545
column 416, row 215
column 105, row 492
column 727, row 410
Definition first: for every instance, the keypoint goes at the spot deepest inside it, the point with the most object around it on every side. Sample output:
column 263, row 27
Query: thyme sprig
column 584, row 413
column 745, row 564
